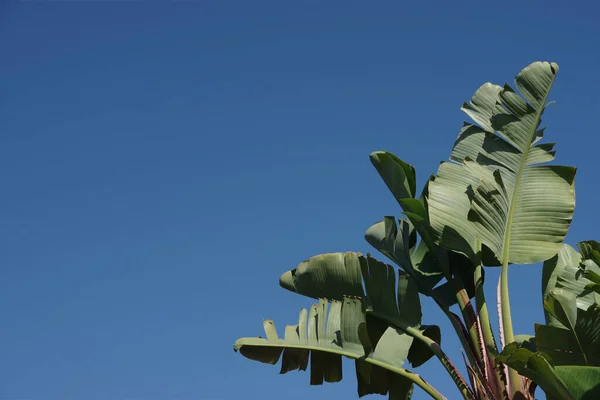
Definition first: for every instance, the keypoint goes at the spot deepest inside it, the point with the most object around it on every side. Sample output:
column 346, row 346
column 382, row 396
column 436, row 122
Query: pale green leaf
column 497, row 193
column 325, row 337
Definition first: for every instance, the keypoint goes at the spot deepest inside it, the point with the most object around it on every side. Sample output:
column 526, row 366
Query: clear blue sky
column 163, row 162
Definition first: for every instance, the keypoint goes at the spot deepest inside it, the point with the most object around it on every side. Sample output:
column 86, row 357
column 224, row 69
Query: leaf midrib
column 399, row 370
column 511, row 210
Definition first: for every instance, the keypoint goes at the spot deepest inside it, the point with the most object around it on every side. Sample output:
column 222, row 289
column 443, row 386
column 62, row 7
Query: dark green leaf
column 419, row 352
column 590, row 250
column 536, row 367
column 577, row 346
column 582, row 382
column 399, row 176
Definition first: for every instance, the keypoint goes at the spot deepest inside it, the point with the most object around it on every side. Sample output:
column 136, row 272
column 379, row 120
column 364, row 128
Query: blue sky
column 163, row 162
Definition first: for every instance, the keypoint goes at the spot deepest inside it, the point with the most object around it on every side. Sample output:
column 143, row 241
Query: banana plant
column 496, row 202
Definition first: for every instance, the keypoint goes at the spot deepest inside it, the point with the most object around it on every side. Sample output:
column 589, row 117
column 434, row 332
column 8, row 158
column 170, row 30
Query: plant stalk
column 470, row 318
column 508, row 335
column 457, row 328
column 487, row 333
column 463, row 336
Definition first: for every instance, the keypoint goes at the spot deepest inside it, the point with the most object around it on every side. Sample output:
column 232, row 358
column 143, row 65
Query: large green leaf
column 537, row 367
column 582, row 382
column 579, row 343
column 558, row 343
column 494, row 190
column 342, row 332
column 392, row 296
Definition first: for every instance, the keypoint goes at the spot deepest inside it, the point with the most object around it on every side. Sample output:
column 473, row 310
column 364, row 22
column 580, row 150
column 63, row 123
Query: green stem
column 470, row 318
column 439, row 353
column 508, row 335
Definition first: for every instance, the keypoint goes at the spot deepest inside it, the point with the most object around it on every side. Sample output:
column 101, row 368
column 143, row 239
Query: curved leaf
column 498, row 193
column 335, row 276
column 331, row 276
column 327, row 337
column 399, row 176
